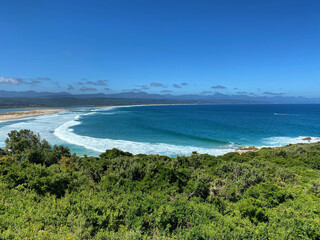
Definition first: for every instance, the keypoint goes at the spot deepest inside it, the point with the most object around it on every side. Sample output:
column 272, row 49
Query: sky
column 253, row 47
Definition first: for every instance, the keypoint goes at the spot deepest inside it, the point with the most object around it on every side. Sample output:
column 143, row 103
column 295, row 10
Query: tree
column 25, row 145
column 113, row 153
column 20, row 141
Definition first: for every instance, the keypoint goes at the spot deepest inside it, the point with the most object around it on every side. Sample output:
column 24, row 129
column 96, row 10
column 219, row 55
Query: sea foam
column 44, row 125
column 58, row 129
column 282, row 141
column 66, row 133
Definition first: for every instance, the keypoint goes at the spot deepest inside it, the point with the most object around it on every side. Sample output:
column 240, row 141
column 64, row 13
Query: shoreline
column 41, row 111
column 20, row 115
column 255, row 148
column 141, row 105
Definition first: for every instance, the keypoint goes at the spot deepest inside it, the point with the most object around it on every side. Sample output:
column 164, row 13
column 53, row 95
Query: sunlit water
column 175, row 129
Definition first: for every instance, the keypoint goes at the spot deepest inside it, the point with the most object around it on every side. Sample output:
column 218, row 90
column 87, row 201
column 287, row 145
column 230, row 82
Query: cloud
column 18, row 81
column 94, row 83
column 246, row 93
column 88, row 89
column 57, row 84
column 107, row 89
column 155, row 84
column 44, row 79
column 166, row 91
column 135, row 90
column 218, row 87
column 144, row 87
column 70, row 87
column 273, row 93
column 98, row 83
column 34, row 81
column 242, row 93
column 206, row 92
column 180, row 85
column 12, row 81
column 132, row 90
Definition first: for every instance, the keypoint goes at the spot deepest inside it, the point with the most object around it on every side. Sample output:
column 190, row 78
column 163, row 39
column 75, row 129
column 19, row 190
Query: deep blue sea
column 175, row 129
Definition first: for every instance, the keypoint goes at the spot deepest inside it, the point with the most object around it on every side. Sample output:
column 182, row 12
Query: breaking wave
column 282, row 141
column 58, row 129
column 66, row 133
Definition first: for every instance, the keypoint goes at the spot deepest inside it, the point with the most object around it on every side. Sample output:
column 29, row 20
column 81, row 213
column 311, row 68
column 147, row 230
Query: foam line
column 65, row 133
column 57, row 129
column 282, row 141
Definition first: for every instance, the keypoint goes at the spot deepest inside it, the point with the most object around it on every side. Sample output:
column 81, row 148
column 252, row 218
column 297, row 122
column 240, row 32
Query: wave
column 57, row 129
column 78, row 117
column 66, row 133
column 282, row 141
column 285, row 114
column 44, row 125
column 94, row 111
column 188, row 136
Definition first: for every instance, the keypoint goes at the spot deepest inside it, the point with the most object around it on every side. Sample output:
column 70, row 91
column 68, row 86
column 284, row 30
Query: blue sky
column 262, row 47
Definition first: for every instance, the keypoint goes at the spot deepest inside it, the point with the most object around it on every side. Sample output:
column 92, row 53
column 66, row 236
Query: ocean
column 174, row 129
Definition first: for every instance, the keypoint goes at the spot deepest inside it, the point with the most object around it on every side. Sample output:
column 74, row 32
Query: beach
column 14, row 115
column 7, row 116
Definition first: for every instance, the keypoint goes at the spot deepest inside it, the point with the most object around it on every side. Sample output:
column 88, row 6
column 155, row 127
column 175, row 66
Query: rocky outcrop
column 307, row 139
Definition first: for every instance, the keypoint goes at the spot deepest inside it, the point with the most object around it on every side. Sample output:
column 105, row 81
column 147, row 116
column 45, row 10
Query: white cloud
column 12, row 81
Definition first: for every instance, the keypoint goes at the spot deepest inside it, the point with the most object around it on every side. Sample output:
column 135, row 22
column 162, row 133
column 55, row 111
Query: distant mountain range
column 217, row 97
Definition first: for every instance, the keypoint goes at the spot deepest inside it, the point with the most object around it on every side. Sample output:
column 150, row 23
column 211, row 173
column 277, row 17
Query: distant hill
column 214, row 98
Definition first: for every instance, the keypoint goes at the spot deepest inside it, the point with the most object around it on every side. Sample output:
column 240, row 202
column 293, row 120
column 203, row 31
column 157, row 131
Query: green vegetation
column 47, row 193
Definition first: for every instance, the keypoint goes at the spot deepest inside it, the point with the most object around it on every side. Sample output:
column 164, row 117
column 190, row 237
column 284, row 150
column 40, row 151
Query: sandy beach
column 7, row 116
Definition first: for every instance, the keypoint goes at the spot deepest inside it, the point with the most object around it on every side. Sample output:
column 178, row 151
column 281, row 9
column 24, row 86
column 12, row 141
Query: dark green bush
column 47, row 193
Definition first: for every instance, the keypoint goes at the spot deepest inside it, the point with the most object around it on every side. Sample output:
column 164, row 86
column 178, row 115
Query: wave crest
column 282, row 141
column 66, row 133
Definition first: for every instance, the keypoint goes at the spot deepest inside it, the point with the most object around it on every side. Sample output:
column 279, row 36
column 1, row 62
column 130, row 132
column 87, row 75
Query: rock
column 242, row 150
column 251, row 148
column 307, row 139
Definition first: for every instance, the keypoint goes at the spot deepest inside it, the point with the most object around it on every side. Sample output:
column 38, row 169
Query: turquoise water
column 175, row 129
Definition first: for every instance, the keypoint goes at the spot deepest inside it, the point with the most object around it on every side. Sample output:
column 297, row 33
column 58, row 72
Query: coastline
column 141, row 105
column 254, row 148
column 18, row 115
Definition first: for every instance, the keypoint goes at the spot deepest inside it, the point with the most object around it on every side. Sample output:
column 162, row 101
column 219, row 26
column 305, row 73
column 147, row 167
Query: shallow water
column 174, row 129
